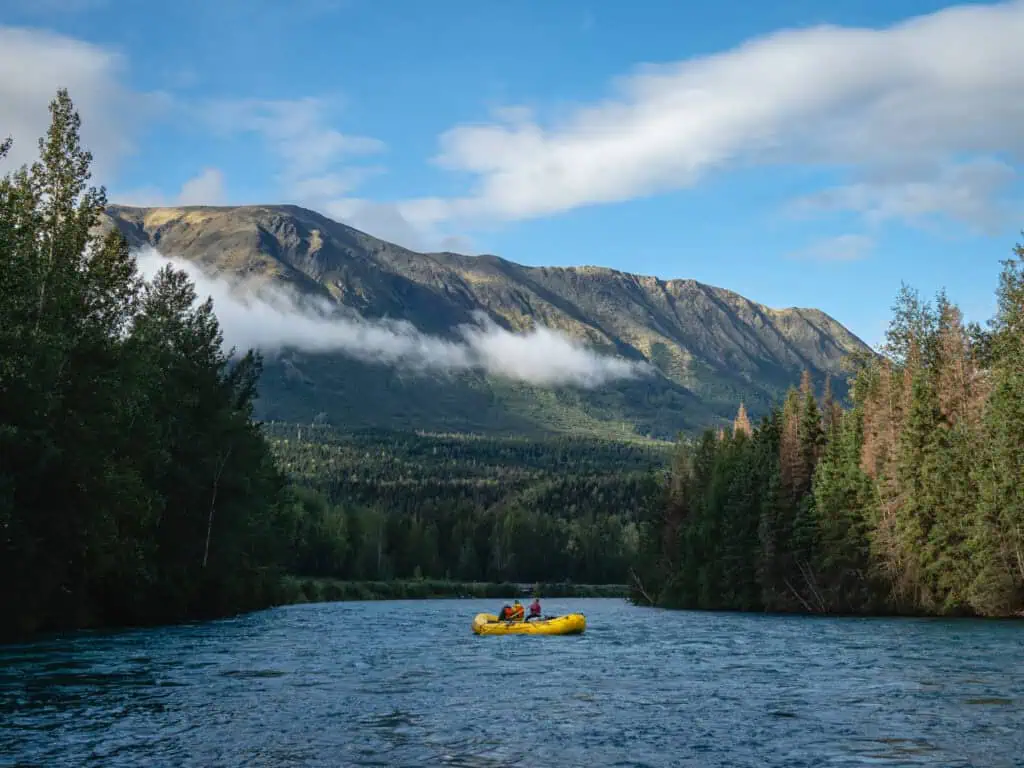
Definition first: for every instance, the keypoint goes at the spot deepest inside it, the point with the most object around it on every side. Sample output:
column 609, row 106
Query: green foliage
column 134, row 486
column 315, row 590
column 298, row 387
column 844, row 501
column 999, row 528
column 908, row 502
column 380, row 505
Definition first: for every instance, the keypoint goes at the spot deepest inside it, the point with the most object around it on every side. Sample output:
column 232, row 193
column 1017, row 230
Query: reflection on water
column 408, row 684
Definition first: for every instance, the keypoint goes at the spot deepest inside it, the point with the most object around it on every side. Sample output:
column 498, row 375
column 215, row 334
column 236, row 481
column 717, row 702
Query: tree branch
column 213, row 501
column 799, row 597
column 639, row 585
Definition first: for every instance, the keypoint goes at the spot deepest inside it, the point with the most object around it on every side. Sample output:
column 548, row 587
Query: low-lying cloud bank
column 271, row 318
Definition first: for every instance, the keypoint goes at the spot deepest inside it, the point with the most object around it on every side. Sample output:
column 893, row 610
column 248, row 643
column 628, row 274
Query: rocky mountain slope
column 711, row 347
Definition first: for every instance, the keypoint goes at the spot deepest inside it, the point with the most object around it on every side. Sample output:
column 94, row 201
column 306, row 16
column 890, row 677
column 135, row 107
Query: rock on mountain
column 712, row 348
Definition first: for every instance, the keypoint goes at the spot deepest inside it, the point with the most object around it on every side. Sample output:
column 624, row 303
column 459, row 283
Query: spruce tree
column 998, row 538
column 134, row 486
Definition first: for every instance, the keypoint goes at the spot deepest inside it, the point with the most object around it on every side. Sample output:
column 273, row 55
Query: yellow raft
column 570, row 624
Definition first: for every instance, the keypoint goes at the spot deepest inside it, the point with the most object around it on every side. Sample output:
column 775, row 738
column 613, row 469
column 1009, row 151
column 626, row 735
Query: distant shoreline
column 298, row 590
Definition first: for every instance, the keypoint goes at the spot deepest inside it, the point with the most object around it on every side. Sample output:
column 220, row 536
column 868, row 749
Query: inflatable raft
column 570, row 624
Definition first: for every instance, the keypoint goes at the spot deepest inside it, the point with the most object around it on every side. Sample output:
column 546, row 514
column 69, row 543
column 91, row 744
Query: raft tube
column 570, row 624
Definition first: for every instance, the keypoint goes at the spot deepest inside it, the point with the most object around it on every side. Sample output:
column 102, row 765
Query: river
column 408, row 684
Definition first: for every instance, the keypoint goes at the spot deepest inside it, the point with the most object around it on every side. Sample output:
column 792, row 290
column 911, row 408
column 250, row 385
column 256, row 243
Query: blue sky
column 743, row 145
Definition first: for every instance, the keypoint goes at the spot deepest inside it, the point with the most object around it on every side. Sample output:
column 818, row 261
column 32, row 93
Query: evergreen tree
column 908, row 502
column 998, row 539
column 134, row 486
column 914, row 515
column 843, row 497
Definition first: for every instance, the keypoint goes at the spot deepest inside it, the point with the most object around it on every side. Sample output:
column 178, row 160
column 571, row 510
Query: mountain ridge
column 711, row 347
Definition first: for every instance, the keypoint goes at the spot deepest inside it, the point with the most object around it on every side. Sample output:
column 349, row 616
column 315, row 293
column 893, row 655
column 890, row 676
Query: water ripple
column 407, row 684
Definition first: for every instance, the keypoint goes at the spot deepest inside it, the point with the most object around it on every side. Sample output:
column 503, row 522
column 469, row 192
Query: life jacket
column 516, row 612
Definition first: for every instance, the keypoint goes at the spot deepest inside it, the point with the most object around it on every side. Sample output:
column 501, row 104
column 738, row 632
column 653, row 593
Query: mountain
column 711, row 348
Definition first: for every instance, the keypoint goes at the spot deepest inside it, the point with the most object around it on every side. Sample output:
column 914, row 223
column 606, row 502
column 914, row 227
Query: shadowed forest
column 398, row 505
column 136, row 487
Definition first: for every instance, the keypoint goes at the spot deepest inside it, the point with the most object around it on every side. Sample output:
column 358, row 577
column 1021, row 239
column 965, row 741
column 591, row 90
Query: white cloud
column 145, row 197
column 333, row 185
column 927, row 93
column 389, row 221
column 207, row 188
column 269, row 318
column 34, row 64
column 296, row 130
column 968, row 193
column 839, row 248
column 319, row 167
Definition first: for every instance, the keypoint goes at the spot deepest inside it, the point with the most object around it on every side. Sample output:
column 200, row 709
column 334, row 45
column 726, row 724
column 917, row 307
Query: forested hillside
column 909, row 502
column 394, row 505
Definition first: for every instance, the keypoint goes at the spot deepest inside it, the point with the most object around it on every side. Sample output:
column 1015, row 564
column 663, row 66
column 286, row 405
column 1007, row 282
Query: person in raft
column 515, row 613
column 534, row 609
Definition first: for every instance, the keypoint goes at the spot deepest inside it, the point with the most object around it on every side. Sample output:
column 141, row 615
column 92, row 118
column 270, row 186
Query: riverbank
column 313, row 590
column 292, row 590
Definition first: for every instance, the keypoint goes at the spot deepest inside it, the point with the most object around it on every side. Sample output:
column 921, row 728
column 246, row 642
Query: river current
column 408, row 684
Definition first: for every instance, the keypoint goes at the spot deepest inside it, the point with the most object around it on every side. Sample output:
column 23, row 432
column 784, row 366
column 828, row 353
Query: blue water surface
column 408, row 684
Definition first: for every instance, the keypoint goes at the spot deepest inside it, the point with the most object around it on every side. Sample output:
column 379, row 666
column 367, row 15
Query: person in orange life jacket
column 515, row 613
column 534, row 609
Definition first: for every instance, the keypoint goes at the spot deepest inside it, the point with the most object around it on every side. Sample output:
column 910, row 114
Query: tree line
column 909, row 501
column 382, row 505
column 134, row 484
